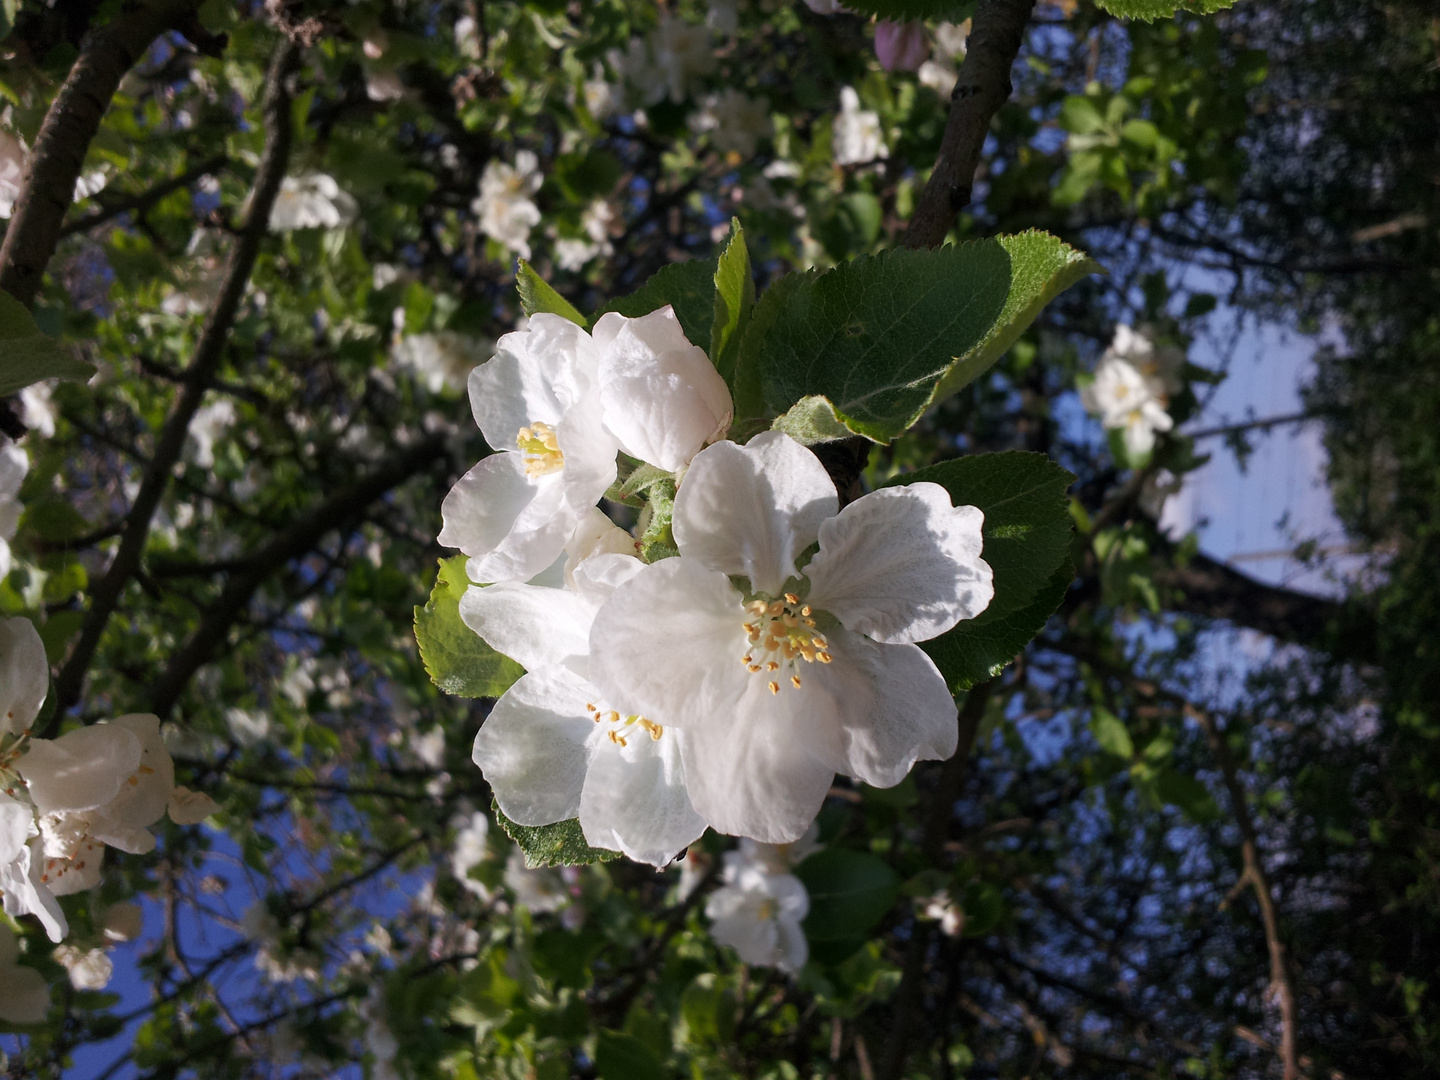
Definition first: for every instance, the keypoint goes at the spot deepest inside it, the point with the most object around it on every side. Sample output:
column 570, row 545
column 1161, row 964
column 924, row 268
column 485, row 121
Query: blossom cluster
column 1132, row 388
column 722, row 668
column 759, row 908
column 63, row 800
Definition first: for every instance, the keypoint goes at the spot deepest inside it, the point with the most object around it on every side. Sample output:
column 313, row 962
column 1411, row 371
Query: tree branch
column 209, row 352
column 981, row 87
column 145, row 199
column 70, row 125
column 300, row 537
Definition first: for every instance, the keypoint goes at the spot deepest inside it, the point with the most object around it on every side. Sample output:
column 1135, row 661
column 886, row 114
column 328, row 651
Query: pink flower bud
column 901, row 46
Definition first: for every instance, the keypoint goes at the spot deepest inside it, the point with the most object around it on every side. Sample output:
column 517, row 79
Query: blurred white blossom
column 856, row 134
column 734, row 121
column 311, row 201
column 89, row 969
column 443, row 360
column 208, row 426
column 505, row 204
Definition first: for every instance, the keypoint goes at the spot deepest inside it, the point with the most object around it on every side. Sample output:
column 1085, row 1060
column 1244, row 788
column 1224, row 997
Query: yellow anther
column 772, row 666
column 613, row 717
column 795, row 681
column 541, row 448
column 791, row 598
column 774, row 687
column 806, row 611
column 823, row 657
column 753, row 667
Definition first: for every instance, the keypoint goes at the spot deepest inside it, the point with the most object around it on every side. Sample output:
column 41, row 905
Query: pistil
column 541, row 448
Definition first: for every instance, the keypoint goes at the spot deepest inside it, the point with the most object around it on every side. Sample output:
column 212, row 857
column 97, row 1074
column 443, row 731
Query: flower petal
column 24, row 675
column 901, row 564
column 635, row 799
column 145, row 793
column 535, row 626
column 668, row 643
column 893, row 707
column 537, row 374
column 751, row 509
column 16, row 821
column 662, row 396
column 80, row 770
column 532, row 747
column 764, row 769
column 26, row 894
column 511, row 526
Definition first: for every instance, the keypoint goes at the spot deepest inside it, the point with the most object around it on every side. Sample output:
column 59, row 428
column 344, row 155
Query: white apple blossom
column 573, row 252
column 669, row 62
column 663, row 398
column 471, row 849
column 208, row 426
column 1126, row 400
column 122, row 922
column 544, row 889
column 441, row 361
column 311, row 201
column 12, row 172
column 37, row 409
column 735, row 121
column 537, row 401
column 939, row 76
column 14, row 464
column 89, row 969
column 188, row 807
column 856, row 136
column 747, row 674
column 759, row 915
column 24, row 997
column 505, row 204
column 1162, row 365
column 772, row 858
column 946, row 912
column 248, row 727
column 24, row 675
column 552, row 749
column 951, row 39
column 601, row 98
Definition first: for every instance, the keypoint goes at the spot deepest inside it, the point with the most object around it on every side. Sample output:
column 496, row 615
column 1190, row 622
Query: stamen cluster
column 541, row 449
column 780, row 633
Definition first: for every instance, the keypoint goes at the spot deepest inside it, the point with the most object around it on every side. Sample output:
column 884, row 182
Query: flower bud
column 901, row 46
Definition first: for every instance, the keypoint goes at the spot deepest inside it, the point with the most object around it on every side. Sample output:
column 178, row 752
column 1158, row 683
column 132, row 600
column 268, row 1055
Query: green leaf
column 1041, row 268
column 734, row 298
column 689, row 287
column 812, row 420
column 624, row 1057
column 1111, row 733
column 746, row 389
column 537, row 296
column 905, row 10
column 456, row 658
column 876, row 335
column 27, row 356
column 1149, row 10
column 1190, row 795
column 1027, row 544
column 850, row 891
column 560, row 844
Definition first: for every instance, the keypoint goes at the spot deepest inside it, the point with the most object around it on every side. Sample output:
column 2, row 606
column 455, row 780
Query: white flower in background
column 856, row 136
column 694, row 869
column 772, row 858
column 768, row 719
column 682, row 54
column 552, row 749
column 441, row 361
column 544, row 889
column 735, row 121
column 537, row 402
column 24, row 997
column 122, row 922
column 89, row 969
column 248, row 728
column 946, row 912
column 938, row 76
column 723, row 16
column 380, row 1041
column 12, row 172
column 1127, row 400
column 663, row 398
column 1162, row 365
column 37, row 409
column 505, row 205
column 91, row 183
column 471, row 849
column 260, row 926
column 13, row 467
column 311, row 201
column 759, row 915
column 207, row 427
column 950, row 40
column 572, row 253
column 188, row 807
column 601, row 98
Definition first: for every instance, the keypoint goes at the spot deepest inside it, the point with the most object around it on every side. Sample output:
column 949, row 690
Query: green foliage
column 882, row 338
column 537, row 296
column 689, row 287
column 27, row 355
column 1150, row 10
column 455, row 657
column 850, row 891
column 734, row 298
column 560, row 844
column 619, row 1056
column 1027, row 539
